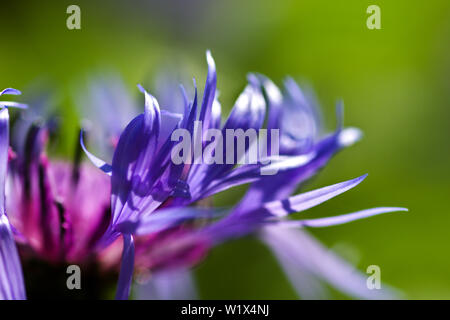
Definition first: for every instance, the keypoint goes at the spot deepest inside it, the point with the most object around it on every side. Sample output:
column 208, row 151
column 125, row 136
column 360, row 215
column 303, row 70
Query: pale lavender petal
column 177, row 284
column 305, row 284
column 248, row 111
column 322, row 263
column 342, row 219
column 12, row 104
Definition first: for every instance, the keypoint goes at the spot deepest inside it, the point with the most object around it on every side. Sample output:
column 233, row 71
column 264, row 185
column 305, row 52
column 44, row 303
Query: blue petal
column 99, row 163
column 11, row 277
column 248, row 111
column 132, row 176
column 281, row 185
column 10, row 91
column 209, row 94
column 126, row 268
column 310, row 199
column 163, row 219
column 4, row 147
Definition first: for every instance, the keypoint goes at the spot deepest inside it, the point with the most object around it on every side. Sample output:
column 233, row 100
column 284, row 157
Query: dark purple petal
column 11, row 104
column 126, row 268
column 131, row 180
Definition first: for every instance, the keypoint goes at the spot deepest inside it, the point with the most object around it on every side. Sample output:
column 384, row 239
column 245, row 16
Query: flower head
column 67, row 212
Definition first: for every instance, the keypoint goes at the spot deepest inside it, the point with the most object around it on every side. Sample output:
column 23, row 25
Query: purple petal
column 99, row 163
column 11, row 104
column 10, row 91
column 126, row 268
column 216, row 114
column 274, row 101
column 209, row 94
column 249, row 173
column 162, row 219
column 299, row 120
column 131, row 180
column 11, row 277
column 342, row 219
column 4, row 147
column 248, row 111
column 310, row 199
column 282, row 184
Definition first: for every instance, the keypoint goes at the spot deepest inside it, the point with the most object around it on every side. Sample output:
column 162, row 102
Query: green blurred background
column 394, row 82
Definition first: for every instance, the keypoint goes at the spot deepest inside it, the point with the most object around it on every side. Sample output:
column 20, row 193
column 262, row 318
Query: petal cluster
column 153, row 208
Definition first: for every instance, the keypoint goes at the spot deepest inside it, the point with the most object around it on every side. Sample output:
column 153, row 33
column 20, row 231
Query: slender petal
column 322, row 263
column 163, row 219
column 283, row 184
column 10, row 91
column 342, row 219
column 126, row 269
column 99, row 163
column 131, row 177
column 11, row 278
column 13, row 104
column 209, row 94
column 310, row 199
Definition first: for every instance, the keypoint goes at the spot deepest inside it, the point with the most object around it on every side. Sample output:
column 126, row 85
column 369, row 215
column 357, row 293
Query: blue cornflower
column 151, row 199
